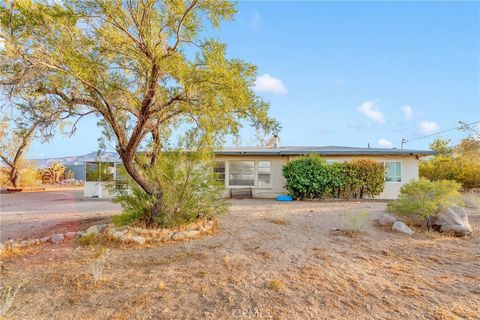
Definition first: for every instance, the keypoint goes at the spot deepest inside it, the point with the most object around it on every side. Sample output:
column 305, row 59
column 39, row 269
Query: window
column 99, row 171
column 120, row 177
column 263, row 174
column 393, row 171
column 219, row 170
column 241, row 173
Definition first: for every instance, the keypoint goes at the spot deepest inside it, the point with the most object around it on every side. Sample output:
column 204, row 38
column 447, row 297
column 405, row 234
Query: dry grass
column 297, row 271
column 275, row 285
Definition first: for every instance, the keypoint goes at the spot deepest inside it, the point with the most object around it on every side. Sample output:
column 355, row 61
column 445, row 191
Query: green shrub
column 311, row 177
column 368, row 178
column 190, row 191
column 423, row 198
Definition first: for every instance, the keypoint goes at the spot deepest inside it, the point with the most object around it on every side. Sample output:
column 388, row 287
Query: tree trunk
column 14, row 177
column 150, row 188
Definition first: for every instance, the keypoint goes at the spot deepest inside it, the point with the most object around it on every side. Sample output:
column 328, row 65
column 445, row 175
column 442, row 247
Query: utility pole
column 403, row 142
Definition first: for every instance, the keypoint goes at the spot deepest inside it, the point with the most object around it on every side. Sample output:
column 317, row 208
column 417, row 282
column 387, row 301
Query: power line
column 462, row 126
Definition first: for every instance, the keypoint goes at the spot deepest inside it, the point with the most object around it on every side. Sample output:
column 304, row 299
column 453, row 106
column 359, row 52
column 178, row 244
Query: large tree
column 144, row 66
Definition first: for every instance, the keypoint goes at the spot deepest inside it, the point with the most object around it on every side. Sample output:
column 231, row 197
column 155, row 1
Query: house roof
column 326, row 150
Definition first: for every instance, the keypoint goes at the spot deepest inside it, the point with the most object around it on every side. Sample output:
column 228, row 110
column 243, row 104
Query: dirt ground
column 38, row 214
column 267, row 260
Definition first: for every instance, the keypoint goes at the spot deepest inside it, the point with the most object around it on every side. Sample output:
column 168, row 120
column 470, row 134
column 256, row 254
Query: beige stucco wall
column 409, row 165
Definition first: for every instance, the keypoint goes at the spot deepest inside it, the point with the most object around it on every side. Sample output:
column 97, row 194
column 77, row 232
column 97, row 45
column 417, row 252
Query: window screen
column 242, row 173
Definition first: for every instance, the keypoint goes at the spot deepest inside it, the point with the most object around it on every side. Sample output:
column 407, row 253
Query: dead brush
column 278, row 216
column 275, row 284
column 471, row 200
column 97, row 265
column 351, row 223
column 7, row 297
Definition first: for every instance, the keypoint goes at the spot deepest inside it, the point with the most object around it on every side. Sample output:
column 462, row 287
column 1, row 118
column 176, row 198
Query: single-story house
column 260, row 168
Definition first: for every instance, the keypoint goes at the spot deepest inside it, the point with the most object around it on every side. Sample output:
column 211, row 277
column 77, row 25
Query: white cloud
column 267, row 83
column 370, row 110
column 407, row 112
column 428, row 127
column 385, row 143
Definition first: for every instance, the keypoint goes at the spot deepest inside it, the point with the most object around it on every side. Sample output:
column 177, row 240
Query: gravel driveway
column 24, row 215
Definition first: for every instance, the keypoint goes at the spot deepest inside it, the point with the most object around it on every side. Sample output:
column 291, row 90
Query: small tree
column 29, row 118
column 53, row 173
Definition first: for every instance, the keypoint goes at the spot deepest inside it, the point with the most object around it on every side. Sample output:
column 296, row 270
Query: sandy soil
column 39, row 214
column 268, row 260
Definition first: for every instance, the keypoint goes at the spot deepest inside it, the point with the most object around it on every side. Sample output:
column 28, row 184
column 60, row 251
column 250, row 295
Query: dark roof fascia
column 323, row 152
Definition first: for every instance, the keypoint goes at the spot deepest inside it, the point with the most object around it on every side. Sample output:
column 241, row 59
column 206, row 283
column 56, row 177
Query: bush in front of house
column 189, row 192
column 422, row 199
column 311, row 177
column 308, row 177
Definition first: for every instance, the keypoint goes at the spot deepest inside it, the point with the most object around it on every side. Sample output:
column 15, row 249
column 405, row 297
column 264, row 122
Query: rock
column 401, row 227
column 56, row 238
column 70, row 234
column 453, row 219
column 180, row 235
column 19, row 244
column 118, row 234
column 95, row 229
column 385, row 220
column 139, row 240
column 33, row 242
column 44, row 239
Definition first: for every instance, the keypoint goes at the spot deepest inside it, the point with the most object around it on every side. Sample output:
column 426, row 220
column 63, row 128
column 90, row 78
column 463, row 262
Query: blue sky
column 349, row 73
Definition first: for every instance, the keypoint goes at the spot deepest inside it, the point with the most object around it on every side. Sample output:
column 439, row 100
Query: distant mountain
column 79, row 160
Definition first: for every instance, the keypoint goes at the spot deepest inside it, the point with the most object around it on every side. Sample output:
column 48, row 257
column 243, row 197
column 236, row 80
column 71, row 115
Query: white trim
column 401, row 172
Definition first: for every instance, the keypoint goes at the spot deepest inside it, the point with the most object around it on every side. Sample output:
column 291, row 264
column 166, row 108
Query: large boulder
column 401, row 227
column 453, row 219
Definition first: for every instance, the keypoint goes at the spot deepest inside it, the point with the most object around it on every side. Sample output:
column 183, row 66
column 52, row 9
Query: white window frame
column 227, row 163
column 401, row 170
column 255, row 169
column 269, row 185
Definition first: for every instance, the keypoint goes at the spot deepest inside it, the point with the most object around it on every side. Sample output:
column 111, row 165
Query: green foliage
column 441, row 146
column 146, row 69
column 423, row 198
column 87, row 239
column 462, row 165
column 308, row 177
column 190, row 191
column 311, row 177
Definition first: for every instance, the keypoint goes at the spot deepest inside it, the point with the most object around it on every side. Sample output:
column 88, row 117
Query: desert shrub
column 87, row 239
column 30, row 176
column 369, row 178
column 460, row 163
column 423, row 198
column 53, row 173
column 309, row 177
column 471, row 200
column 190, row 191
column 354, row 221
